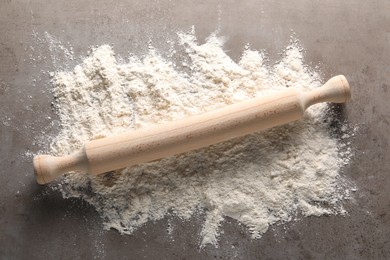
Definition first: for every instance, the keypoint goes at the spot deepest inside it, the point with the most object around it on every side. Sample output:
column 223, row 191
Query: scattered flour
column 259, row 180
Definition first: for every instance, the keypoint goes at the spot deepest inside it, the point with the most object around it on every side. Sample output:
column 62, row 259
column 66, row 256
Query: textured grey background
column 343, row 37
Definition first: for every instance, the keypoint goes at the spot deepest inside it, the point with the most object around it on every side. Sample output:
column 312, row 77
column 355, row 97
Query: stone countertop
column 341, row 37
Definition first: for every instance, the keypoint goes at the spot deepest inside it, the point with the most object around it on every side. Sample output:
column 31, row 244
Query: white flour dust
column 259, row 180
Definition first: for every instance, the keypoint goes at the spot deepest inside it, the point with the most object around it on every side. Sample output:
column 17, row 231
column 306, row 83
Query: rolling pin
column 148, row 144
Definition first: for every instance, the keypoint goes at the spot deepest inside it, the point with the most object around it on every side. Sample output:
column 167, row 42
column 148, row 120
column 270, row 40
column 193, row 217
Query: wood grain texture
column 135, row 147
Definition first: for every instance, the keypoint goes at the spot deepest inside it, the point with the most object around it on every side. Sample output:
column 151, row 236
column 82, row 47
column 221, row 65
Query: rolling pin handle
column 335, row 90
column 47, row 167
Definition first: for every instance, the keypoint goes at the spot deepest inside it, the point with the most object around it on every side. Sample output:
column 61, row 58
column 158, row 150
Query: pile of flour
column 259, row 180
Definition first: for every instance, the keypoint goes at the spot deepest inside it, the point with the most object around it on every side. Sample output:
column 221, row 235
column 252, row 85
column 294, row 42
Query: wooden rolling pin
column 143, row 145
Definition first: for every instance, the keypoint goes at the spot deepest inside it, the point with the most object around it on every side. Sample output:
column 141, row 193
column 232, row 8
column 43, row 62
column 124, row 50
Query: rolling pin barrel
column 135, row 147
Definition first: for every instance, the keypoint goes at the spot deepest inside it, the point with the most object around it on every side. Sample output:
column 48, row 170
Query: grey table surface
column 342, row 37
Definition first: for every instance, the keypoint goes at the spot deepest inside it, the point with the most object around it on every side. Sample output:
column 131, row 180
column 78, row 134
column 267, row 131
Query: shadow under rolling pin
column 144, row 145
